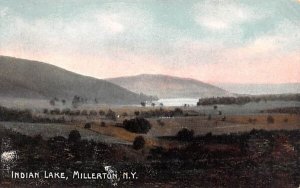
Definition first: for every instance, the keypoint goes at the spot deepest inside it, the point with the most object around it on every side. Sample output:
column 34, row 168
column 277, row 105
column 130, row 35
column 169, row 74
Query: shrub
column 124, row 114
column 285, row 120
column 138, row 143
column 270, row 119
column 137, row 125
column 185, row 135
column 74, row 136
column 87, row 125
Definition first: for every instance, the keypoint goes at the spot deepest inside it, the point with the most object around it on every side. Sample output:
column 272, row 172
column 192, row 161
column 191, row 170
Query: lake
column 178, row 101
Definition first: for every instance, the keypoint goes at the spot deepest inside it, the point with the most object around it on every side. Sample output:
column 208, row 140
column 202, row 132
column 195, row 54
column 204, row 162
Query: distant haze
column 164, row 86
column 256, row 89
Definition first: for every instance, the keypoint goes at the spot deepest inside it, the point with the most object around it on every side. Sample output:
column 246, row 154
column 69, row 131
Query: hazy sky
column 247, row 41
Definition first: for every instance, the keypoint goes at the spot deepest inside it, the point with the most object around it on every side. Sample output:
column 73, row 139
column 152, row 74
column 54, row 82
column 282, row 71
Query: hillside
column 30, row 79
column 164, row 86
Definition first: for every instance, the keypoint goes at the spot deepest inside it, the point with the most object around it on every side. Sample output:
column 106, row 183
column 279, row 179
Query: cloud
column 3, row 11
column 111, row 22
column 220, row 15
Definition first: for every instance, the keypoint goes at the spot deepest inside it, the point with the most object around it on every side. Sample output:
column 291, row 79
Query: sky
column 215, row 41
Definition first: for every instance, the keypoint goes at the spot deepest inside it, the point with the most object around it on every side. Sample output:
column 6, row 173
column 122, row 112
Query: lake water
column 178, row 101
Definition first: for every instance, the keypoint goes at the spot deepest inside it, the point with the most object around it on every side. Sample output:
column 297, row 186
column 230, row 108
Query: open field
column 51, row 130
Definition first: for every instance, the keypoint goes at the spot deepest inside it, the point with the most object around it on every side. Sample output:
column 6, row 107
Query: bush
column 87, row 125
column 74, row 136
column 137, row 125
column 185, row 135
column 138, row 143
column 270, row 119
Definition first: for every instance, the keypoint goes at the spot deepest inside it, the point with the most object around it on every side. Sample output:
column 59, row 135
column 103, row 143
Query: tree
column 103, row 124
column 74, row 136
column 52, row 102
column 84, row 112
column 87, row 125
column 111, row 115
column 137, row 125
column 143, row 104
column 209, row 117
column 139, row 142
column 153, row 104
column 185, row 134
column 101, row 113
column 77, row 101
column 93, row 113
column 137, row 113
column 178, row 112
column 63, row 101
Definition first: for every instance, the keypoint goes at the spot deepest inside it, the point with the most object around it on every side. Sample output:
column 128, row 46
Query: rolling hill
column 30, row 79
column 164, row 86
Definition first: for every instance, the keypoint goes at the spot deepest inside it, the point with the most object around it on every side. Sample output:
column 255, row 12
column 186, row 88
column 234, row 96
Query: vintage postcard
column 150, row 93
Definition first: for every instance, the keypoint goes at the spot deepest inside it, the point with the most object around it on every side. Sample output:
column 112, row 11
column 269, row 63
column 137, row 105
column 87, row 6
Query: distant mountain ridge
column 31, row 79
column 164, row 86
